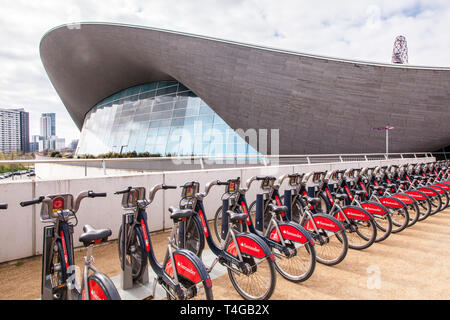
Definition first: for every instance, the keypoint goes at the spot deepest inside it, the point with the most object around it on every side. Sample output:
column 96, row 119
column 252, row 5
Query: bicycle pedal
column 151, row 297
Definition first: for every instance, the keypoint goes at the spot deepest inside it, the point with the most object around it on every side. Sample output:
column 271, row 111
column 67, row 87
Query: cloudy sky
column 363, row 30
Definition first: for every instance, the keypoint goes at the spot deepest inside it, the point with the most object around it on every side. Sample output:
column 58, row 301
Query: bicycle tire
column 435, row 201
column 282, row 268
column 444, row 197
column 195, row 239
column 218, row 224
column 385, row 228
column 400, row 219
column 137, row 256
column 235, row 276
column 416, row 214
column 320, row 244
column 266, row 216
column 383, row 222
column 296, row 210
column 423, row 204
column 356, row 228
column 58, row 278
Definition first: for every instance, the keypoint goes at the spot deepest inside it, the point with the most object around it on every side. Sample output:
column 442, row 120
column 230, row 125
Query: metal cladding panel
column 320, row 105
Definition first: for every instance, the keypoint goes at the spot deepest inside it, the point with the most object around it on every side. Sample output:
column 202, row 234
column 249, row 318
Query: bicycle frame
column 277, row 231
column 186, row 263
column 232, row 255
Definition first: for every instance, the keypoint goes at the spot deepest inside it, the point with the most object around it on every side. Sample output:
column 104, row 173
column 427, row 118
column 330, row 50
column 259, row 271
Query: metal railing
column 208, row 162
column 308, row 158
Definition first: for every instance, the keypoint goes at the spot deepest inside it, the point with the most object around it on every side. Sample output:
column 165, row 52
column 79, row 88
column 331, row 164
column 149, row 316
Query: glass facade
column 164, row 118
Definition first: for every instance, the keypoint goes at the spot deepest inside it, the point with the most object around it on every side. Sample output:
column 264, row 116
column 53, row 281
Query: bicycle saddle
column 236, row 217
column 311, row 200
column 179, row 214
column 390, row 185
column 92, row 235
column 359, row 192
column 277, row 209
column 340, row 196
column 378, row 188
column 403, row 182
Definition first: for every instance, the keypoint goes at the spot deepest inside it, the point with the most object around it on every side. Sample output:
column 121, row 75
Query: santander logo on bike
column 187, row 269
column 372, row 209
column 294, row 235
column 249, row 247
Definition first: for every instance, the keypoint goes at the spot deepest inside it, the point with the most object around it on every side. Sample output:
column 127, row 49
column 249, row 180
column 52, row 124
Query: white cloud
column 362, row 30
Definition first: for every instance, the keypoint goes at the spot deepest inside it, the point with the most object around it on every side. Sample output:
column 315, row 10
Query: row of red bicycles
column 295, row 221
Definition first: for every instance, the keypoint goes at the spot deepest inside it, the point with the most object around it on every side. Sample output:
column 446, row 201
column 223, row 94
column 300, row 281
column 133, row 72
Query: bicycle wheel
column 361, row 234
column 443, row 195
column 266, row 216
column 57, row 278
column 218, row 223
column 413, row 213
column 384, row 226
column 296, row 210
column 136, row 256
column 100, row 288
column 436, row 204
column 194, row 240
column 331, row 246
column 256, row 281
column 194, row 291
column 424, row 207
column 400, row 219
column 300, row 265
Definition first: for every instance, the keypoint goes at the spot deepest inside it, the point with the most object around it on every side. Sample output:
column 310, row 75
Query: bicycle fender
column 443, row 186
column 188, row 265
column 353, row 212
column 417, row 195
column 250, row 244
column 326, row 222
column 404, row 198
column 437, row 189
column 428, row 191
column 374, row 208
column 391, row 202
column 101, row 287
column 292, row 232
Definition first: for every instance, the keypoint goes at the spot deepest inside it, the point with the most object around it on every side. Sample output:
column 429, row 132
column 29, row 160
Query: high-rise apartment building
column 14, row 130
column 48, row 128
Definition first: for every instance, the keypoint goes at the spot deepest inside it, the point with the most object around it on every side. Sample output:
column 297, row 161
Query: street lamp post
column 387, row 128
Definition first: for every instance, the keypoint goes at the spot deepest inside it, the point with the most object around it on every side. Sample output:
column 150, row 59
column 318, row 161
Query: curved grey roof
column 320, row 104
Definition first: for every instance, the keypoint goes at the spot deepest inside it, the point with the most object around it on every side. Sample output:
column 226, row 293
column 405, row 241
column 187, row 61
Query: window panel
column 160, row 117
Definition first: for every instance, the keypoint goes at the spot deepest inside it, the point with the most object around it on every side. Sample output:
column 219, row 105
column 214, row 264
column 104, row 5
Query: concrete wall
column 21, row 229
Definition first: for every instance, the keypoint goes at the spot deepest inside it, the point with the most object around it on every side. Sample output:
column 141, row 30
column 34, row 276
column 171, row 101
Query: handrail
column 306, row 157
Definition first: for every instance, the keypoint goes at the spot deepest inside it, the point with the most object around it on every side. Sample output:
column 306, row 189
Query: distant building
column 48, row 125
column 34, row 144
column 14, row 130
column 73, row 145
column 48, row 134
column 60, row 143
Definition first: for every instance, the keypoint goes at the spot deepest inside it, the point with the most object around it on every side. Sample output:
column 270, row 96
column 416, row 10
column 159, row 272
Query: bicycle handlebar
column 81, row 196
column 151, row 195
column 258, row 178
column 92, row 194
column 124, row 191
column 31, row 202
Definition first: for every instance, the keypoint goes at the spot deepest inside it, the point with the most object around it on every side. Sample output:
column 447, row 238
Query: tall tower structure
column 48, row 125
column 400, row 52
